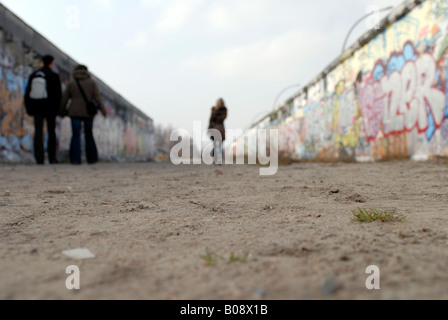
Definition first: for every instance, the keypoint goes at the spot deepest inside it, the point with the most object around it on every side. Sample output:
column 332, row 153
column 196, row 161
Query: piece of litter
column 79, row 254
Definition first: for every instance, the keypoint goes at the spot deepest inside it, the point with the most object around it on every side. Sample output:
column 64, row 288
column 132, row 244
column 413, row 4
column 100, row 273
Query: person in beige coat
column 74, row 106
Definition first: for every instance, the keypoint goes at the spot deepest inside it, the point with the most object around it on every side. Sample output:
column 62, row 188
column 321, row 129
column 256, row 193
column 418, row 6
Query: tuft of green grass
column 371, row 215
column 234, row 258
column 210, row 259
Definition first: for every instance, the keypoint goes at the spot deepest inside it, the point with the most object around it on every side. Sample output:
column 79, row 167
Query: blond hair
column 220, row 103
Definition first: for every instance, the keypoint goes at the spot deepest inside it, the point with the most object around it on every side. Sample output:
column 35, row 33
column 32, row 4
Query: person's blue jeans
column 90, row 145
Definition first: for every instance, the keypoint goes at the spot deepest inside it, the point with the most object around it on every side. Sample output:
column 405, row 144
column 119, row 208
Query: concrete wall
column 385, row 97
column 126, row 134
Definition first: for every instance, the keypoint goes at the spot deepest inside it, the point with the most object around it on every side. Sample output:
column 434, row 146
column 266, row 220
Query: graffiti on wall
column 388, row 99
column 16, row 128
column 402, row 96
column 125, row 133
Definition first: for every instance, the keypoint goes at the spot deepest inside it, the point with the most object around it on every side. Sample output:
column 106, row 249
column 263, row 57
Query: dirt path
column 204, row 232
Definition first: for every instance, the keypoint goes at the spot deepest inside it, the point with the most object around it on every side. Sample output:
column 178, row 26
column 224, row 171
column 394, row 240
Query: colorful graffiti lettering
column 389, row 99
column 403, row 97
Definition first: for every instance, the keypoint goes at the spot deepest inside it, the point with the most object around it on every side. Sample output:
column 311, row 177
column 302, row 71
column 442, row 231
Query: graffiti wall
column 126, row 134
column 387, row 98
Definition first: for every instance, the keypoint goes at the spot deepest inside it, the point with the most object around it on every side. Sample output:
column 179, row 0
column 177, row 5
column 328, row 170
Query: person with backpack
column 42, row 100
column 85, row 102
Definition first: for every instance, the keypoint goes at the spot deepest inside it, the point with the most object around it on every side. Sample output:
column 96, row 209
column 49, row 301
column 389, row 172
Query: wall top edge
column 396, row 14
column 16, row 19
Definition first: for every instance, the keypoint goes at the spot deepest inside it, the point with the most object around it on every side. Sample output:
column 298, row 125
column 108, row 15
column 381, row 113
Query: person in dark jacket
column 77, row 111
column 217, row 118
column 42, row 100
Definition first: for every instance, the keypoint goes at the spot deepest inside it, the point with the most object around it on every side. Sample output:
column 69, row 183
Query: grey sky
column 174, row 58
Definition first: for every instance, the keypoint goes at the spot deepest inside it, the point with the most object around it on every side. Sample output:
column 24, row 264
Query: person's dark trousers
column 39, row 149
column 75, row 145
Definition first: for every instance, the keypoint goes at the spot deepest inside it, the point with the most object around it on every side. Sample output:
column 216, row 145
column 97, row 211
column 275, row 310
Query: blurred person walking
column 217, row 118
column 42, row 100
column 80, row 96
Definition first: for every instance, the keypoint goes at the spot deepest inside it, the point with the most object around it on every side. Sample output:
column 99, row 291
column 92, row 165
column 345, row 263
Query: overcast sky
column 174, row 58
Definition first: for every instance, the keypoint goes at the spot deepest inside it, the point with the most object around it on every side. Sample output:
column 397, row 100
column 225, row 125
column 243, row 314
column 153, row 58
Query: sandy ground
column 151, row 225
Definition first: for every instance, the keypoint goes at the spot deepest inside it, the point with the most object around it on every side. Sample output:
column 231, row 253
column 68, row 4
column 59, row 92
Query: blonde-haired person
column 217, row 118
column 81, row 80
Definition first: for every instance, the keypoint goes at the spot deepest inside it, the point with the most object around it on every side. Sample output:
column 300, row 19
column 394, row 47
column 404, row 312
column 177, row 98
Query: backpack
column 37, row 93
column 39, row 86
